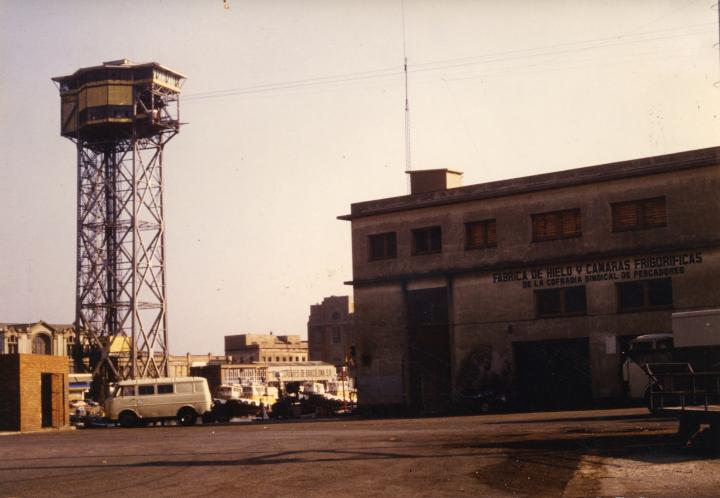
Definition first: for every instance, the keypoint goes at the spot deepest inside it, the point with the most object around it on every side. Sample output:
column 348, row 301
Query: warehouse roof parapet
column 546, row 181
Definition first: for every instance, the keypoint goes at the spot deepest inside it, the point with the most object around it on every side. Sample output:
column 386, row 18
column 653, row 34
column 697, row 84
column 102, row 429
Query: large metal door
column 59, row 402
column 553, row 374
column 430, row 384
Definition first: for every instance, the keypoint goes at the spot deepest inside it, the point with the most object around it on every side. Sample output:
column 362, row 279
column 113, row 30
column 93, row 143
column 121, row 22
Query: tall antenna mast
column 408, row 162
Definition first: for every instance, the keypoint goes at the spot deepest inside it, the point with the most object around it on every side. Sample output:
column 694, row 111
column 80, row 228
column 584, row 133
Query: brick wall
column 21, row 391
column 9, row 392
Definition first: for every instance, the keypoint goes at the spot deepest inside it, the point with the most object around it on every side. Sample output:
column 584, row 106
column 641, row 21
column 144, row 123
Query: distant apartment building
column 330, row 330
column 265, row 348
column 37, row 338
column 180, row 365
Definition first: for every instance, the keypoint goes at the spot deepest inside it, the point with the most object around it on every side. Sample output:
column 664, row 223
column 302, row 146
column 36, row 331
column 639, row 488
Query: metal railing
column 684, row 390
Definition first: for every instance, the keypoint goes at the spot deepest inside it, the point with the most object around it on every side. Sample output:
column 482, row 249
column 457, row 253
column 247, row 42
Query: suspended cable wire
column 512, row 55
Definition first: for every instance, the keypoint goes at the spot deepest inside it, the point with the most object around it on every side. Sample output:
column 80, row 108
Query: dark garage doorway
column 46, row 399
column 430, row 379
column 553, row 375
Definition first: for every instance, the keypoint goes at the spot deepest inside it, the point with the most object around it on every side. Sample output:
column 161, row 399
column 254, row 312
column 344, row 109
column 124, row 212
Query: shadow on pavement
column 598, row 418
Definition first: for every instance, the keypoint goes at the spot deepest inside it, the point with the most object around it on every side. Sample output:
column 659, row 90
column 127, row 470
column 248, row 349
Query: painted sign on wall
column 601, row 270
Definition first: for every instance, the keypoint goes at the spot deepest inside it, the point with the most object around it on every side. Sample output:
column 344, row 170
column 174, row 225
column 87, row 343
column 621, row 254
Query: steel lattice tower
column 120, row 116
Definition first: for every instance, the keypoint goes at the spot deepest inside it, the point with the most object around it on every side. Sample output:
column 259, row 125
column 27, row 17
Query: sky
column 295, row 109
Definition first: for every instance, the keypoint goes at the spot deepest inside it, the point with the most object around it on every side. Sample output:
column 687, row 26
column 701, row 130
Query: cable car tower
column 120, row 116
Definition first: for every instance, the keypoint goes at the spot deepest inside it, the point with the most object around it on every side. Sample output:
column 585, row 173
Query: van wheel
column 187, row 416
column 128, row 419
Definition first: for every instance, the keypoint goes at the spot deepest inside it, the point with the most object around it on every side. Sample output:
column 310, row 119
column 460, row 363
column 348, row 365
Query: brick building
column 33, row 392
column 533, row 284
column 330, row 330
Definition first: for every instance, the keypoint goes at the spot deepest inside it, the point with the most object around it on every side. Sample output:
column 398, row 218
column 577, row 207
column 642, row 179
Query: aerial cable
column 454, row 63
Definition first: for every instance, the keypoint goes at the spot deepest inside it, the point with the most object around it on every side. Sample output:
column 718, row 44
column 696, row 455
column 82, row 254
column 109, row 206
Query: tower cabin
column 119, row 99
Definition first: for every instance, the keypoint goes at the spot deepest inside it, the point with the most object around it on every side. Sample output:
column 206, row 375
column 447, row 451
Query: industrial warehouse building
column 532, row 285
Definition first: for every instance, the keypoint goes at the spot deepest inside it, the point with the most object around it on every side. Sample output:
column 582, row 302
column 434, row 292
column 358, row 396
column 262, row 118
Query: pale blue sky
column 498, row 89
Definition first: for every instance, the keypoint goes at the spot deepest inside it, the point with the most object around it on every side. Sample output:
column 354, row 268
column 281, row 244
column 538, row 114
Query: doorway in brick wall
column 46, row 399
column 52, row 399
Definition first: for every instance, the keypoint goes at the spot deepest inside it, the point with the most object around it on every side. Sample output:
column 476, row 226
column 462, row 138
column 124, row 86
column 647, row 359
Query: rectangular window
column 165, row 389
column 426, row 240
column 480, row 234
column 639, row 215
column 556, row 225
column 127, row 391
column 146, row 390
column 382, row 246
column 183, row 387
column 561, row 302
column 12, row 344
column 645, row 294
column 336, row 335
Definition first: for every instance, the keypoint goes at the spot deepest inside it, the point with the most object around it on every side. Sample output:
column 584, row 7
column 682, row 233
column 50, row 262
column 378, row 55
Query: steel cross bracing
column 121, row 286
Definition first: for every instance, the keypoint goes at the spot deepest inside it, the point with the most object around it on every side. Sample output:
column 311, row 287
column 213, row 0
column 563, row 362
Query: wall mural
column 482, row 369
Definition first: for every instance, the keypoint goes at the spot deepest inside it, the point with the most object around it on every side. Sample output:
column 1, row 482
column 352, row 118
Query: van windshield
column 641, row 346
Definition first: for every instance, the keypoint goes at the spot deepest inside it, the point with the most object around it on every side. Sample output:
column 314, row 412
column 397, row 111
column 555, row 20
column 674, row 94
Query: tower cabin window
column 479, row 234
column 556, row 225
column 382, row 246
column 639, row 215
column 426, row 240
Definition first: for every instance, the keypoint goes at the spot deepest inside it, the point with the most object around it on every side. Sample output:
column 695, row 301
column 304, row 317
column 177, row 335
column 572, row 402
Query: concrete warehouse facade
column 533, row 285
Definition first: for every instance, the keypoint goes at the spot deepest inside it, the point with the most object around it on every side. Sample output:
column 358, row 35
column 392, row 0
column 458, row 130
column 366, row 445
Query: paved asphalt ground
column 586, row 453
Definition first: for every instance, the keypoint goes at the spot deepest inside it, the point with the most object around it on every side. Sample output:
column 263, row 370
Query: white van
column 135, row 401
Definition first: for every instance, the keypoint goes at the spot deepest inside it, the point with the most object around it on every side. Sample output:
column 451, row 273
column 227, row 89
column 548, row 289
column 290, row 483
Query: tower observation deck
column 120, row 116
